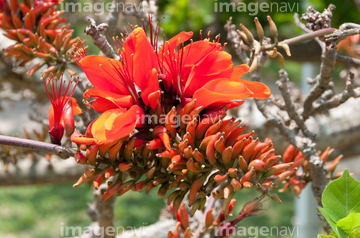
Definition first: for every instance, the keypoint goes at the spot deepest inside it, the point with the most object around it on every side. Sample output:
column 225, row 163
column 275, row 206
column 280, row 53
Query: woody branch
column 300, row 113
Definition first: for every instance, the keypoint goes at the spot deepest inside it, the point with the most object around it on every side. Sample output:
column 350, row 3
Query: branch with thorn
column 99, row 40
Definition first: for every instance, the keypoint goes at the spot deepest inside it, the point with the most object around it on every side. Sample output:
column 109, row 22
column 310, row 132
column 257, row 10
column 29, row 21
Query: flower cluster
column 151, row 81
column 37, row 29
column 163, row 122
column 299, row 180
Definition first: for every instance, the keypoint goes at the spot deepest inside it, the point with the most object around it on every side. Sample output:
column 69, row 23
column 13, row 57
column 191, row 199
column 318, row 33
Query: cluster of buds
column 183, row 224
column 249, row 44
column 299, row 180
column 316, row 20
column 201, row 156
column 223, row 226
column 37, row 29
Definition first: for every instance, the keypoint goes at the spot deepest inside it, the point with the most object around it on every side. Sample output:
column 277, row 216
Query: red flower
column 198, row 70
column 203, row 71
column 62, row 110
column 116, row 81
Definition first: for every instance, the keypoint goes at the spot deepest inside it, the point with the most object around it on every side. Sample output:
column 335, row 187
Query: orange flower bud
column 234, row 134
column 109, row 173
column 98, row 180
column 226, row 156
column 283, row 176
column 91, row 154
column 236, row 184
column 248, row 149
column 220, row 178
column 209, row 218
column 195, row 187
column 257, row 164
column 232, row 172
column 123, row 167
column 247, row 176
column 88, row 174
column 111, row 191
column 278, row 168
column 183, row 217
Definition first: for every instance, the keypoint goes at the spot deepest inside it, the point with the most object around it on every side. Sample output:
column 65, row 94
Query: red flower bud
column 80, row 158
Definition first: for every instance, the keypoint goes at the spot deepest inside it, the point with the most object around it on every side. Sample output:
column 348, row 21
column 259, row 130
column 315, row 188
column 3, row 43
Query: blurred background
column 39, row 209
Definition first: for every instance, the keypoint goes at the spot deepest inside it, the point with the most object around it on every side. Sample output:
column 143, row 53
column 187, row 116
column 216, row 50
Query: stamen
column 58, row 97
column 223, row 46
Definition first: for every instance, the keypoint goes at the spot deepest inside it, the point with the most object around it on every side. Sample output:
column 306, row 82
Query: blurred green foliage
column 194, row 15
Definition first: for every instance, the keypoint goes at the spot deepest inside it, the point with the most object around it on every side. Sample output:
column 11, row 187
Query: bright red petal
column 102, row 75
column 176, row 41
column 75, row 107
column 239, row 71
column 115, row 124
column 215, row 65
column 196, row 51
column 154, row 99
column 102, row 105
column 139, row 57
column 124, row 124
column 260, row 90
column 221, row 90
column 150, row 89
column 229, row 90
column 123, row 101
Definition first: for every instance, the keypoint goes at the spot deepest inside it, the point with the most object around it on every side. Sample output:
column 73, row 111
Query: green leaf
column 341, row 197
column 349, row 223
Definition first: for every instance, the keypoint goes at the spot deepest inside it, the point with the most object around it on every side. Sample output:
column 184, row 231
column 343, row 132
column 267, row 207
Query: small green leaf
column 349, row 223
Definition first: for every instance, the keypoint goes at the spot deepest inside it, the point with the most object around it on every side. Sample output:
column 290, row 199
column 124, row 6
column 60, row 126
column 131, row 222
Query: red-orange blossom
column 147, row 79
